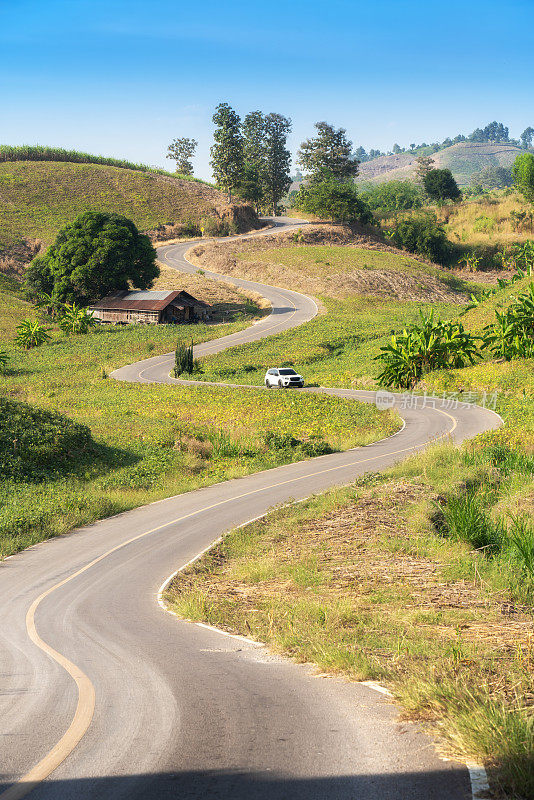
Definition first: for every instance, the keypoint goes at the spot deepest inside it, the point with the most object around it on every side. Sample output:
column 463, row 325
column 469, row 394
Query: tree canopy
column 526, row 137
column 334, row 200
column 439, row 184
column 328, row 155
column 523, row 174
column 95, row 255
column 277, row 159
column 227, row 152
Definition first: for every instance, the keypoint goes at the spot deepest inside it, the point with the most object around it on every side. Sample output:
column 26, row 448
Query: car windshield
column 287, row 372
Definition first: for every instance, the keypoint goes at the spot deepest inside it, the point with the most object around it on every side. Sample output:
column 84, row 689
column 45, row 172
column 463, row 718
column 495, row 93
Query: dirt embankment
column 231, row 218
column 15, row 259
column 237, row 258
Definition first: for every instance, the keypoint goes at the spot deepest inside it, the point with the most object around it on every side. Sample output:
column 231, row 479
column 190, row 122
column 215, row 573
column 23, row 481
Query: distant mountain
column 463, row 159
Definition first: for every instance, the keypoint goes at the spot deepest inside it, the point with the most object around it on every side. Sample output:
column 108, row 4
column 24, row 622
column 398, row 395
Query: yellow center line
column 86, row 692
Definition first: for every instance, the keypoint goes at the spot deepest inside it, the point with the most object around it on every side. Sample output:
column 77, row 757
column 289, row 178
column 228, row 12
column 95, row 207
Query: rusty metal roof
column 146, row 301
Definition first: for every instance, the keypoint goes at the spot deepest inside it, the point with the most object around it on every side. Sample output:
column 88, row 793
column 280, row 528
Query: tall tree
column 227, row 153
column 252, row 186
column 182, row 151
column 423, row 167
column 328, row 155
column 277, row 159
column 526, row 138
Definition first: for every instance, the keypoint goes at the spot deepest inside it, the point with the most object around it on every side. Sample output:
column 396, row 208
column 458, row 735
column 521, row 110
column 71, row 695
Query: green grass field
column 335, row 349
column 152, row 441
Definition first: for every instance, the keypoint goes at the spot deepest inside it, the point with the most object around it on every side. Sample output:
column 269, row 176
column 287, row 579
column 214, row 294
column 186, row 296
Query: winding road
column 104, row 695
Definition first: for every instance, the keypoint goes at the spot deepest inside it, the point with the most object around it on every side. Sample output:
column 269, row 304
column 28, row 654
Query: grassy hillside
column 463, row 159
column 38, row 197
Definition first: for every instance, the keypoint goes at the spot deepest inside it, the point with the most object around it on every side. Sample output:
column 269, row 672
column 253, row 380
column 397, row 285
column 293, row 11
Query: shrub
column 31, row 334
column 424, row 236
column 184, row 361
column 423, row 348
column 393, row 196
column 33, row 440
column 4, row 361
column 335, row 201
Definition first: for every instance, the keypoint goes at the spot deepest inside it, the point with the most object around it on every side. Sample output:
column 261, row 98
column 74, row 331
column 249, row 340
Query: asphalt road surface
column 104, row 695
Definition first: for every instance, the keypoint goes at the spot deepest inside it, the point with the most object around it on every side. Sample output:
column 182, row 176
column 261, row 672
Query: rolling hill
column 38, row 197
column 463, row 159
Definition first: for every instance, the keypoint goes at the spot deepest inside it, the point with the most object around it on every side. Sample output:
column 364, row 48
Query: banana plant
column 4, row 361
column 512, row 334
column 432, row 344
column 31, row 333
column 76, row 319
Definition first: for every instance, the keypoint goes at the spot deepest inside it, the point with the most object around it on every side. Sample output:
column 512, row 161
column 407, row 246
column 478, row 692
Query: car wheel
column 267, row 384
column 280, row 385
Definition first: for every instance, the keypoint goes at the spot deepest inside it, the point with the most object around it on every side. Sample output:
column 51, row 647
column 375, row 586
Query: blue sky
column 123, row 78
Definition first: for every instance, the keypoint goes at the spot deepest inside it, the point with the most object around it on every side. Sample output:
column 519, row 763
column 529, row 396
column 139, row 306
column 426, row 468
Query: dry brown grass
column 487, row 221
column 224, row 298
column 346, row 582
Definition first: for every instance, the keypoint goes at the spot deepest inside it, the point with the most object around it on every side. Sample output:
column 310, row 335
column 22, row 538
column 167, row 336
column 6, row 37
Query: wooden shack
column 152, row 308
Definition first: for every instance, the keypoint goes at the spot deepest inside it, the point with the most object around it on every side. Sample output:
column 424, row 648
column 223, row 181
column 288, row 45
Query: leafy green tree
column 526, row 138
column 182, row 151
column 227, row 160
column 393, row 196
column 252, row 186
column 328, row 155
column 277, row 160
column 523, row 175
column 439, row 184
column 396, row 149
column 330, row 199
column 494, row 132
column 31, row 333
column 95, row 255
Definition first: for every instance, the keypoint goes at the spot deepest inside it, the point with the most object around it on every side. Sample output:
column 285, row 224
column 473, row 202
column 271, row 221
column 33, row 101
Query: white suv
column 283, row 377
